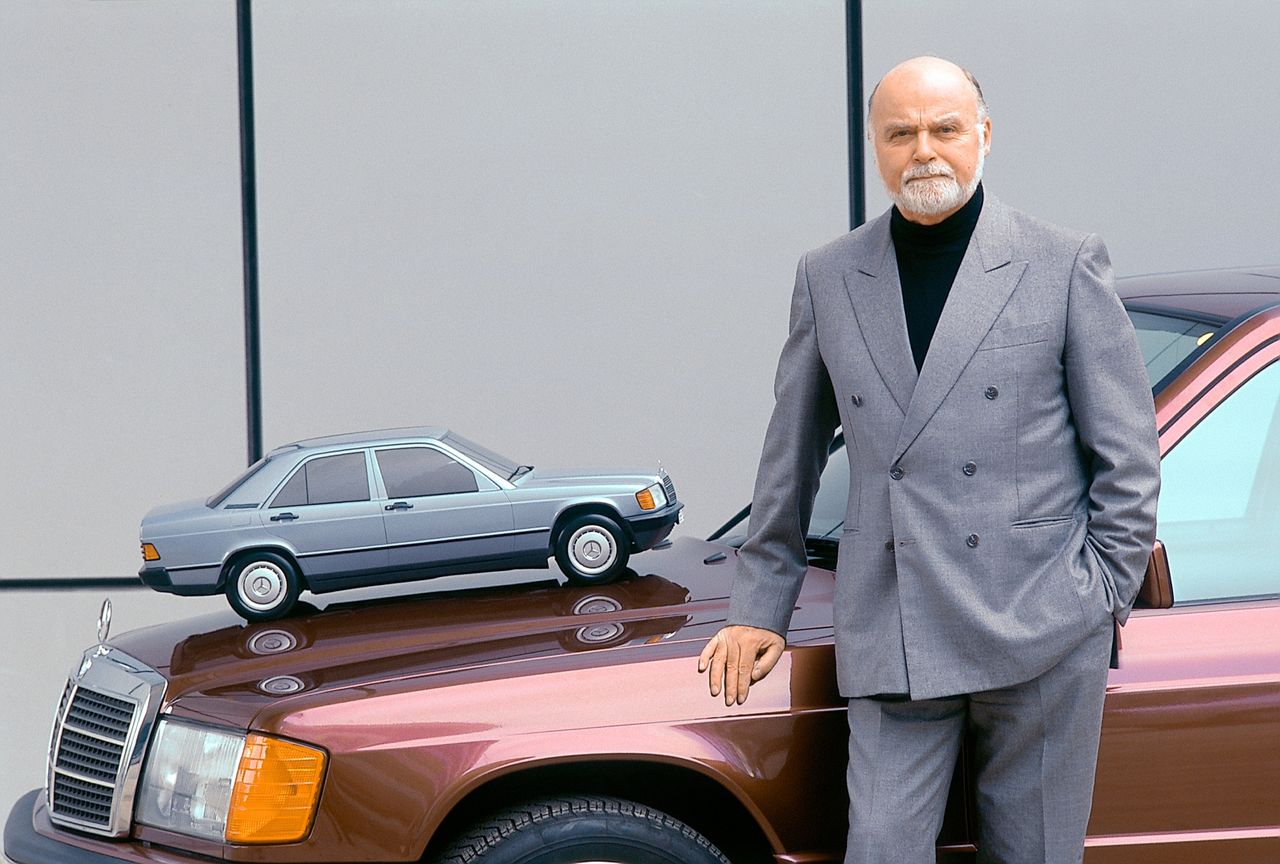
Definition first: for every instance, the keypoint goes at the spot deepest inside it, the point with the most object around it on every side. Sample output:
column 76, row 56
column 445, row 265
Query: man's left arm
column 1111, row 405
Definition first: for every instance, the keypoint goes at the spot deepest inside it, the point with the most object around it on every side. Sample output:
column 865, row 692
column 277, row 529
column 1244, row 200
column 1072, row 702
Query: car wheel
column 263, row 586
column 592, row 549
column 582, row 830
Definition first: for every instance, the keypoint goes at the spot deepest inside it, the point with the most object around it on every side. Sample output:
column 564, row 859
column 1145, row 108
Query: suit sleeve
column 772, row 562
column 1111, row 405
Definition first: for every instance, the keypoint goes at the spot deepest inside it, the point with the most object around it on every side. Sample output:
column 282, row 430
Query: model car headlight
column 229, row 787
column 652, row 497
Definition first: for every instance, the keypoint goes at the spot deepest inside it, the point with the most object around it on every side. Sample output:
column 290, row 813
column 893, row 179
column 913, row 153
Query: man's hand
column 738, row 656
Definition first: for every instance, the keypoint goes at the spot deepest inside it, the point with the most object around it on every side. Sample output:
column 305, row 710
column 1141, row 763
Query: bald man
column 1002, row 491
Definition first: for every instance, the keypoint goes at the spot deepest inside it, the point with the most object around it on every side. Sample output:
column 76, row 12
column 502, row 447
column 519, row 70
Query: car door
column 326, row 513
column 439, row 512
column 1189, row 766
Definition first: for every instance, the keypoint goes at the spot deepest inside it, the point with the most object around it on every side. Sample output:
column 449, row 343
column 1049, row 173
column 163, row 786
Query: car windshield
column 500, row 465
column 222, row 494
column 1167, row 339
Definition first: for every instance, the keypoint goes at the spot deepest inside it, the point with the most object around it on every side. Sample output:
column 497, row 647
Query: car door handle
column 399, row 505
column 283, row 517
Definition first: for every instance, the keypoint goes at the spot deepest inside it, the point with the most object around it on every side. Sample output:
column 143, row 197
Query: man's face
column 929, row 145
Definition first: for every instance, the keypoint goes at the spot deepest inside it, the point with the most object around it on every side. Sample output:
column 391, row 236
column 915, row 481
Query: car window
column 1220, row 498
column 413, row 472
column 327, row 480
column 1166, row 340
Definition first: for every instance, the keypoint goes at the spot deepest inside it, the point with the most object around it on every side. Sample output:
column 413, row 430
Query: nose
column 924, row 147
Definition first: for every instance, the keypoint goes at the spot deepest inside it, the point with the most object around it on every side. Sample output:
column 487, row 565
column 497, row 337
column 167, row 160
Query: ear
column 986, row 137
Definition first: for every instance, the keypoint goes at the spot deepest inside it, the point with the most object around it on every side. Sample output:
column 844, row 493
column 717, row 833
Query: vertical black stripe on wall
column 857, row 158
column 249, row 233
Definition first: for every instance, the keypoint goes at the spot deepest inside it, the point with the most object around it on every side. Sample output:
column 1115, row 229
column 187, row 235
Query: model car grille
column 98, row 740
column 669, row 487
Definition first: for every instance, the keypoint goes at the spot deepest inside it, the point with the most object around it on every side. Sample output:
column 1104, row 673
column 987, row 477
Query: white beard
column 940, row 194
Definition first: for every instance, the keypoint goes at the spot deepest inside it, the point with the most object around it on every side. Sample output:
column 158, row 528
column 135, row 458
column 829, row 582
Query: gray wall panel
column 120, row 264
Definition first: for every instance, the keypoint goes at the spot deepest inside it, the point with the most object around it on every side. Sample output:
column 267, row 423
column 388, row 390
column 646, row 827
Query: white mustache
column 928, row 170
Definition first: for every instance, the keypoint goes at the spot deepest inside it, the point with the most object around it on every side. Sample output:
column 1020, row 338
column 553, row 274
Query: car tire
column 582, row 829
column 592, row 549
column 263, row 586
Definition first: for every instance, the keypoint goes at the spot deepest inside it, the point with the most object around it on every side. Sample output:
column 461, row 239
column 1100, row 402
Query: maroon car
column 548, row 725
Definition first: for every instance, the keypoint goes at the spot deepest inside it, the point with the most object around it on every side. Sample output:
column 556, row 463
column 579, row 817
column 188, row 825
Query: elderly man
column 1002, row 491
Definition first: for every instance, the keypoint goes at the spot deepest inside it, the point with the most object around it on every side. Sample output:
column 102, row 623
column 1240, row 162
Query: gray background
column 567, row 229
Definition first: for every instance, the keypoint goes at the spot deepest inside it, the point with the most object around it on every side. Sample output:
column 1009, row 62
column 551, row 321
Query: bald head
column 938, row 70
column 931, row 134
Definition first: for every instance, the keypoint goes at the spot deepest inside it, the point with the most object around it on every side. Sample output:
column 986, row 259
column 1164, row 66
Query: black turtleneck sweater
column 928, row 258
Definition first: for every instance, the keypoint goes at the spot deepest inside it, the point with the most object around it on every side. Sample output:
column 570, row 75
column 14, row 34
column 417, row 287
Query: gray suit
column 1001, row 507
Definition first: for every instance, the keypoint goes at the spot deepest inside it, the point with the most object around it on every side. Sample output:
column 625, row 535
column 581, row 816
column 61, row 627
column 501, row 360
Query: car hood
column 542, row 477
column 221, row 669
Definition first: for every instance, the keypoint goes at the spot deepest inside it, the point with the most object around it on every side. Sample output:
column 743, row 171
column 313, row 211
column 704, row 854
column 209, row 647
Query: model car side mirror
column 1157, row 588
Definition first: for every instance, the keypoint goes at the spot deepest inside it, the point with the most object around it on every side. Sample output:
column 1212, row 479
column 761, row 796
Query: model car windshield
column 500, row 465
column 221, row 495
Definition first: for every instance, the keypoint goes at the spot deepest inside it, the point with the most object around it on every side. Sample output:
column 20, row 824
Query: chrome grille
column 104, row 719
column 669, row 488
column 89, row 755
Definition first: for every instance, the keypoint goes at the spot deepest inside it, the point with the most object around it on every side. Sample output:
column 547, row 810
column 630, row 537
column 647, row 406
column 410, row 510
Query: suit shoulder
column 848, row 248
column 1034, row 233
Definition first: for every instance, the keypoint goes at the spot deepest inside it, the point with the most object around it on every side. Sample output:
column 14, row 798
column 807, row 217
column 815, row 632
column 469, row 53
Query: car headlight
column 228, row 786
column 652, row 497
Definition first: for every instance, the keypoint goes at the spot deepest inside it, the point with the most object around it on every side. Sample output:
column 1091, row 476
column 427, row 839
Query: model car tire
column 263, row 586
column 582, row 829
column 592, row 549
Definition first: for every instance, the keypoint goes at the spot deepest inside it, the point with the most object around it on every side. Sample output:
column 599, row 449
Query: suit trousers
column 1035, row 747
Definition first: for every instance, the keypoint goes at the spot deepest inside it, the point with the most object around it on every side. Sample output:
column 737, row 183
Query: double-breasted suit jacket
column 1001, row 503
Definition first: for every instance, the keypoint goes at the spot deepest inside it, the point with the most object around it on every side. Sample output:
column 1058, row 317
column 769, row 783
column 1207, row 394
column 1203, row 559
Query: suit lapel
column 982, row 286
column 876, row 295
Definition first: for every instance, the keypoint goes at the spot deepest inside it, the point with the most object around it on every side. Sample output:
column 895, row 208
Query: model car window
column 412, row 472
column 1220, row 498
column 222, row 494
column 1167, row 340
column 500, row 465
column 294, row 493
column 327, row 480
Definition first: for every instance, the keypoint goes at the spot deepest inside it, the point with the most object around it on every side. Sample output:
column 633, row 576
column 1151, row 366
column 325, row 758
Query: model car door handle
column 284, row 517
column 399, row 505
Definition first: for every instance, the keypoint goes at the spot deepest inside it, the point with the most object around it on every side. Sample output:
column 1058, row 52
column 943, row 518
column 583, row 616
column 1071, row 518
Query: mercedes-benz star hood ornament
column 104, row 627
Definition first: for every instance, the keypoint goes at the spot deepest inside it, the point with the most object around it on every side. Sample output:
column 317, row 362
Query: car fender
column 507, row 761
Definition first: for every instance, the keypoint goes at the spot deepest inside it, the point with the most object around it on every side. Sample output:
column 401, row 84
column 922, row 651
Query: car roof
column 375, row 436
column 1221, row 294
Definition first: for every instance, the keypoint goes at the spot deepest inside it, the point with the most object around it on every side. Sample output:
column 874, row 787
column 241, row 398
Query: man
column 1003, row 479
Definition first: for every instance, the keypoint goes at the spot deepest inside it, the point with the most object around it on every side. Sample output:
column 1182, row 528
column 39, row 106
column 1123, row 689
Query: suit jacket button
column 991, row 392
column 857, row 400
column 888, row 544
column 970, row 468
column 972, row 540
column 897, row 472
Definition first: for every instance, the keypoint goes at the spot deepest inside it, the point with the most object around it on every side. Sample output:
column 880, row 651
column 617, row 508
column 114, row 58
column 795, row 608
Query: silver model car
column 396, row 505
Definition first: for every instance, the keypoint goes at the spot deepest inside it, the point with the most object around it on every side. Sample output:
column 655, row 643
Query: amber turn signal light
column 645, row 499
column 276, row 790
column 149, row 553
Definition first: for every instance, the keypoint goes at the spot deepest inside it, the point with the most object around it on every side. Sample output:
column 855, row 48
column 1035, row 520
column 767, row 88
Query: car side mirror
column 1157, row 588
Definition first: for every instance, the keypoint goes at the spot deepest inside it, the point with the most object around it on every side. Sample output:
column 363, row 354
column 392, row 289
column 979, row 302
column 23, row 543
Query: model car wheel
column 592, row 549
column 263, row 586
column 586, row 830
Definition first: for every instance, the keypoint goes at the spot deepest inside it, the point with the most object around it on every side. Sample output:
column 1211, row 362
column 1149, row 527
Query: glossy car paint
column 431, row 704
